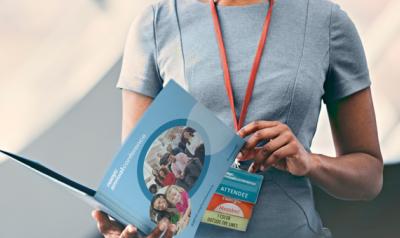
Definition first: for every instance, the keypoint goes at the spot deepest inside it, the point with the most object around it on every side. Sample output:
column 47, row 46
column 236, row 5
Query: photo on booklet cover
column 173, row 203
column 175, row 157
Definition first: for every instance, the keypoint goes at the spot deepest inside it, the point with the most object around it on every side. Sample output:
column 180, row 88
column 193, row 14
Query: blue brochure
column 168, row 168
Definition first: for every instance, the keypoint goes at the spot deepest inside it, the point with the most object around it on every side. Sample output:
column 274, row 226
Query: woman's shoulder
column 151, row 15
column 323, row 4
column 326, row 7
column 160, row 13
column 154, row 9
column 319, row 12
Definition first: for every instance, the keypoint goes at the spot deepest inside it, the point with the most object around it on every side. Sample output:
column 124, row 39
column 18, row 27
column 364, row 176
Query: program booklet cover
column 169, row 167
column 171, row 164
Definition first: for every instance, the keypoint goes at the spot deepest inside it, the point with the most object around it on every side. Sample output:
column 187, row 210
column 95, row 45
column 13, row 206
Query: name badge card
column 232, row 204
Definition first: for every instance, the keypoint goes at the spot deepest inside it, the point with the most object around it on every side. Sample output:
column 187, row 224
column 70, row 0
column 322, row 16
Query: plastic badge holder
column 232, row 204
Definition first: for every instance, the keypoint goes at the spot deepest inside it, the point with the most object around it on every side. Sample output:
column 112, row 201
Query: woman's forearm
column 355, row 176
column 133, row 107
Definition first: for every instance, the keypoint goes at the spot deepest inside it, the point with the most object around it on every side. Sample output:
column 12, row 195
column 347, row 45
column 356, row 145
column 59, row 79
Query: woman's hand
column 282, row 151
column 113, row 229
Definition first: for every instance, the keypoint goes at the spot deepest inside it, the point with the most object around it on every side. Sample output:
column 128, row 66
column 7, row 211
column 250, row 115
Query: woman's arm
column 354, row 174
column 133, row 107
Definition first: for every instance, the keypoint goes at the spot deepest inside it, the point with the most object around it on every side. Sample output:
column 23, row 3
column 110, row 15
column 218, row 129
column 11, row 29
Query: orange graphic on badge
column 230, row 206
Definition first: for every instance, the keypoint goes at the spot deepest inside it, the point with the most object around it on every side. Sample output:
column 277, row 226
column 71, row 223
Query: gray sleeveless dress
column 313, row 55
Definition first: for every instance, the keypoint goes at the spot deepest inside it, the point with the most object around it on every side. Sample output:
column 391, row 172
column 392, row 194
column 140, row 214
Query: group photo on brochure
column 172, row 166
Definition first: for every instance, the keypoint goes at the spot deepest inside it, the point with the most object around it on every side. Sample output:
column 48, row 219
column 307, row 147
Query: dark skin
column 355, row 173
column 112, row 229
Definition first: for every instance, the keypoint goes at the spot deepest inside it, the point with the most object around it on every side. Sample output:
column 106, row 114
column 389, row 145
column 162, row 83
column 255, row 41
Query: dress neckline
column 247, row 6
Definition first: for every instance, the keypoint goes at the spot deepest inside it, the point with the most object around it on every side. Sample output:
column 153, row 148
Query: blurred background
column 59, row 63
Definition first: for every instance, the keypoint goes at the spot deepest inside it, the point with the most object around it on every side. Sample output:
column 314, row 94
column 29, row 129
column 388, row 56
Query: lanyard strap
column 256, row 63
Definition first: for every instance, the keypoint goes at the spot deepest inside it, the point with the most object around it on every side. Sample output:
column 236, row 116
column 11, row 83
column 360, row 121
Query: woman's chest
column 292, row 68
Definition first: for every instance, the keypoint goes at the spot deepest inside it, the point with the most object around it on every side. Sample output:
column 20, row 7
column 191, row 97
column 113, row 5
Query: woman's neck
column 235, row 2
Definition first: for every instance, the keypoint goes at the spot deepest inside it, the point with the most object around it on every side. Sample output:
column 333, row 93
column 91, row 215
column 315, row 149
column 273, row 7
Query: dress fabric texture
column 313, row 55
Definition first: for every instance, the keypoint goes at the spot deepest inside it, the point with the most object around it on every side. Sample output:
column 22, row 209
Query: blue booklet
column 168, row 168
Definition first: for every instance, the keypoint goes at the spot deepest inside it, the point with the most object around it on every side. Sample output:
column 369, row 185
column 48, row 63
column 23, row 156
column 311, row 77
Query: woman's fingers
column 129, row 232
column 161, row 227
column 106, row 226
column 256, row 126
column 263, row 153
column 283, row 150
column 258, row 160
column 279, row 154
column 246, row 155
column 262, row 163
column 103, row 222
column 272, row 131
column 109, row 228
column 259, row 136
column 170, row 231
column 276, row 143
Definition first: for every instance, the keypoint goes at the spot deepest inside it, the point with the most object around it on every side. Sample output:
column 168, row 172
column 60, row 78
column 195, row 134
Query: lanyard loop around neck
column 224, row 62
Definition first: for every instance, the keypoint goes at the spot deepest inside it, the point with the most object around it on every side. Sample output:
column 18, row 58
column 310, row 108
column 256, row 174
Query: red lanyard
column 227, row 78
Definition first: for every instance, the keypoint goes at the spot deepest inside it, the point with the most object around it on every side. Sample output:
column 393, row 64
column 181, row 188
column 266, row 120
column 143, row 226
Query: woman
column 179, row 198
column 185, row 142
column 160, row 208
column 157, row 179
column 167, row 177
column 313, row 54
